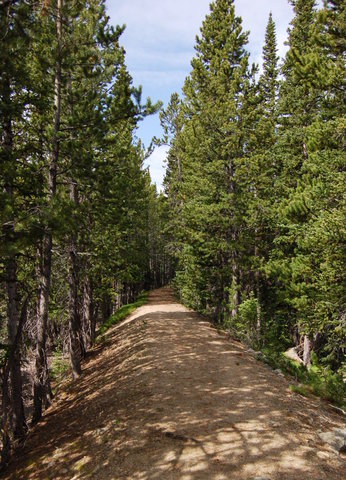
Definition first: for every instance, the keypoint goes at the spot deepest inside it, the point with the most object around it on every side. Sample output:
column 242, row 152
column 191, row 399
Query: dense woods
column 255, row 183
column 252, row 222
column 80, row 221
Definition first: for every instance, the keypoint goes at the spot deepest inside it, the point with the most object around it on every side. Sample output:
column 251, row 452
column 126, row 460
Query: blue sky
column 159, row 42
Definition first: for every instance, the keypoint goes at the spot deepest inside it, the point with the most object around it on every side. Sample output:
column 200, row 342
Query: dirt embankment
column 169, row 398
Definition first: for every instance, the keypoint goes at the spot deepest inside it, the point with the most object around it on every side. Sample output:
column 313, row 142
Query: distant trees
column 255, row 171
column 79, row 236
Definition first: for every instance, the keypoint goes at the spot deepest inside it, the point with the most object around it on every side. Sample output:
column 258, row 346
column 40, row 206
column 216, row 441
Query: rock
column 256, row 354
column 292, row 354
column 275, row 424
column 279, row 372
column 336, row 439
column 260, row 478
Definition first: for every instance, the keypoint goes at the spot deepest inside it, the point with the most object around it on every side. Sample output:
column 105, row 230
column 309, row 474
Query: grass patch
column 317, row 380
column 120, row 314
column 304, row 390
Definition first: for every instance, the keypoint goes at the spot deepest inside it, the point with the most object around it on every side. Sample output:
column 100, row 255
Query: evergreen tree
column 269, row 78
column 16, row 191
column 252, row 171
column 172, row 122
column 298, row 105
column 258, row 171
column 41, row 386
column 74, row 196
column 319, row 199
column 212, row 141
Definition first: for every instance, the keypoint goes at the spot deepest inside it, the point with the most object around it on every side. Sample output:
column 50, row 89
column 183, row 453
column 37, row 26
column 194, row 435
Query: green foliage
column 209, row 126
column 317, row 380
column 248, row 313
column 120, row 315
column 80, row 223
column 60, row 366
column 255, row 181
column 244, row 325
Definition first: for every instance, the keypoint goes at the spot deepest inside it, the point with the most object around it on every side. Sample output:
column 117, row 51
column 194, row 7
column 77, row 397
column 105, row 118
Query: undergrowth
column 120, row 314
column 316, row 380
column 59, row 367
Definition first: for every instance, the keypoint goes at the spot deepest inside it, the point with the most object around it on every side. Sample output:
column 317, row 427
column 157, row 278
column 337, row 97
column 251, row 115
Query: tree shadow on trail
column 170, row 398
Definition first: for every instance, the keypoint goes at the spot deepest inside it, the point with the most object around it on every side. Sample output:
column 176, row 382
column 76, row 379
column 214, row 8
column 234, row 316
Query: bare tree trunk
column 234, row 255
column 17, row 407
column 235, row 285
column 305, row 152
column 41, row 378
column 7, row 421
column 76, row 344
column 106, row 307
column 258, row 296
column 307, row 351
column 88, row 310
column 14, row 425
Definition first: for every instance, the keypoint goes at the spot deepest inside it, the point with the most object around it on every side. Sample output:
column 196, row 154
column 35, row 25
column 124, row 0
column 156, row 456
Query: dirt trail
column 169, row 398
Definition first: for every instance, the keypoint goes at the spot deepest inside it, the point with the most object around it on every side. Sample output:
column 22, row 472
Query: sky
column 159, row 42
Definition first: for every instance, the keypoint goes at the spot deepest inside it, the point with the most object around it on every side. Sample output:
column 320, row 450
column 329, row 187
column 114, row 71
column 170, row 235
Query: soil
column 169, row 397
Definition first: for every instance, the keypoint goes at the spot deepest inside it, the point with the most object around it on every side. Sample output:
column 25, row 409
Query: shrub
column 120, row 314
column 60, row 366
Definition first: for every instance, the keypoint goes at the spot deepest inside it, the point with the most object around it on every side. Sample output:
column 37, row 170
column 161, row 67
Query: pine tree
column 258, row 177
column 298, row 106
column 16, row 25
column 269, row 79
column 41, row 385
column 75, row 199
column 211, row 143
column 319, row 199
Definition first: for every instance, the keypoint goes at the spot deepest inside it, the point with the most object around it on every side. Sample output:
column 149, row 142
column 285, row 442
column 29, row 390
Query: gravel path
column 168, row 397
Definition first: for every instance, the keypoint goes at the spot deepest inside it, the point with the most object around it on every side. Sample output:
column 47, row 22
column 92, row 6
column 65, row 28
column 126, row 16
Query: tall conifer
column 213, row 138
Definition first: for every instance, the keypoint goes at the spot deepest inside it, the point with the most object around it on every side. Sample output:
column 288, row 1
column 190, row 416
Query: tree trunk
column 233, row 234
column 8, row 423
column 15, row 375
column 41, row 382
column 77, row 349
column 307, row 351
column 88, row 310
column 235, row 286
column 5, row 422
column 14, row 393
column 106, row 307
column 258, row 295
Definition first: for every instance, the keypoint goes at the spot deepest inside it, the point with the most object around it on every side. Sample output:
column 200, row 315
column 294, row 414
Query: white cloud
column 159, row 21
column 156, row 166
column 164, row 31
column 160, row 36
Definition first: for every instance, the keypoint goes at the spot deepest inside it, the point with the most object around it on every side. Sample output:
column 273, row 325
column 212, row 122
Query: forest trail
column 168, row 397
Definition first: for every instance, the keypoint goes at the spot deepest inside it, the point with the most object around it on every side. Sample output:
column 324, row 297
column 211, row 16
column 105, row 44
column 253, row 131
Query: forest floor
column 168, row 397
